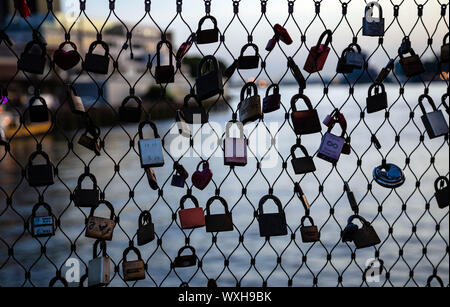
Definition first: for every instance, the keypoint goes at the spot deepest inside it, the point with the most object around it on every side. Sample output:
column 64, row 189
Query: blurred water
column 27, row 251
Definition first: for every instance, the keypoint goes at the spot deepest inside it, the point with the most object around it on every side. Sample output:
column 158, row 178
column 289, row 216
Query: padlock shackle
column 341, row 121
column 357, row 46
column 221, row 200
column 189, row 97
column 107, row 204
column 201, row 21
column 309, row 218
column 39, row 153
column 446, row 39
column 430, row 101
column 303, row 97
column 358, row 217
column 92, row 130
column 441, row 180
column 145, row 217
column 246, row 46
column 101, row 43
column 102, row 248
column 302, row 148
column 203, row 163
column 376, row 85
column 210, row 59
column 240, row 127
column 275, row 87
column 265, row 199
column 329, row 35
column 186, row 197
column 34, row 98
column 83, row 177
column 246, row 88
column 72, row 44
column 438, row 279
column 58, row 278
column 401, row 54
column 39, row 205
column 32, row 43
column 152, row 125
column 181, row 250
column 158, row 52
column 370, row 6
column 137, row 99
column 129, row 249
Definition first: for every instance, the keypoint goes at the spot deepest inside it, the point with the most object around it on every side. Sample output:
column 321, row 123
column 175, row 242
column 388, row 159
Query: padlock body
column 194, row 113
column 192, row 218
column 165, row 74
column 365, row 237
column 178, row 181
column 208, row 36
column 96, row 63
column 185, row 261
column 331, row 148
column 377, row 102
column 375, row 28
column 130, row 114
column 248, row 62
column 354, row 60
column 209, row 85
column 219, row 222
column 272, row 224
column 306, row 122
column 76, row 104
column 271, row 103
column 343, row 68
column 303, row 165
column 316, row 59
column 201, row 179
column 445, row 53
column 412, row 66
column 442, row 197
column 85, row 198
column 235, row 152
column 151, row 153
column 43, row 226
column 89, row 143
column 250, row 109
column 310, row 234
column 31, row 63
column 99, row 272
column 133, row 270
column 39, row 113
column 435, row 124
column 100, row 228
column 145, row 234
column 40, row 175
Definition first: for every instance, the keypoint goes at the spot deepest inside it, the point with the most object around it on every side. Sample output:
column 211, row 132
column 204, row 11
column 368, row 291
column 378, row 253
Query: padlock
column 39, row 175
column 86, row 198
column 184, row 48
column 342, row 67
column 272, row 102
column 150, row 150
column 302, row 165
column 282, row 34
column 351, row 198
column 298, row 190
column 131, row 114
column 182, row 125
column 38, row 112
column 194, row 114
column 209, row 78
column 201, row 179
column 354, row 58
column 310, row 234
column 191, row 218
column 42, row 226
column 97, row 63
column 75, row 103
column 363, row 237
column 250, row 105
column 271, row 43
column 373, row 26
column 378, row 101
column 331, row 147
column 133, row 270
column 271, row 224
column 389, row 175
column 66, row 59
column 90, row 139
column 297, row 73
column 319, row 53
column 180, row 176
column 151, row 177
column 445, row 49
column 441, row 186
column 437, row 278
column 235, row 149
column 307, row 121
column 100, row 227
column 146, row 231
column 164, row 73
column 249, row 61
column 218, row 222
column 31, row 61
column 384, row 73
column 99, row 266
column 228, row 73
column 412, row 65
column 208, row 36
column 434, row 121
column 186, row 260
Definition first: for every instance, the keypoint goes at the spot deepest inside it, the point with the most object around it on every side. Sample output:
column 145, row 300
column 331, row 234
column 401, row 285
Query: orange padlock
column 191, row 218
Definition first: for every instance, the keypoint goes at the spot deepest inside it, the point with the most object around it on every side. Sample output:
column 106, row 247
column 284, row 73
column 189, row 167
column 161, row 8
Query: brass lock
column 133, row 270
column 99, row 227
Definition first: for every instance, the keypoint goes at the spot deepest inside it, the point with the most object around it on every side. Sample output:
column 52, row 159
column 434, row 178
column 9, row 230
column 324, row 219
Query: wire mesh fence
column 103, row 142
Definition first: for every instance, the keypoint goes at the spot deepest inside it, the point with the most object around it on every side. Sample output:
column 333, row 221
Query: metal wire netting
column 413, row 230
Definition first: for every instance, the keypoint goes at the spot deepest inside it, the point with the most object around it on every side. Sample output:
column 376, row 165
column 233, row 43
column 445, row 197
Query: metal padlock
column 201, row 179
column 150, row 150
column 184, row 48
column 151, row 177
column 39, row 175
column 441, row 186
column 208, row 36
column 272, row 102
column 235, row 149
column 180, row 176
column 412, row 65
column 164, row 73
column 384, row 73
column 100, row 227
column 389, row 175
column 42, row 226
column 32, row 62
column 90, row 139
column 299, row 192
column 97, row 63
column 297, row 73
column 218, row 222
column 445, row 49
column 99, row 266
column 133, row 270
column 191, row 218
column 354, row 58
column 351, row 198
column 250, row 105
column 182, row 125
column 86, row 198
column 342, row 67
column 186, row 260
column 249, row 61
column 38, row 113
column 307, row 121
column 194, row 114
column 331, row 148
column 378, row 101
column 66, row 59
column 373, row 26
column 302, row 165
column 365, row 236
column 271, row 224
column 75, row 102
column 131, row 114
column 146, row 231
column 318, row 54
column 209, row 78
column 434, row 121
column 310, row 234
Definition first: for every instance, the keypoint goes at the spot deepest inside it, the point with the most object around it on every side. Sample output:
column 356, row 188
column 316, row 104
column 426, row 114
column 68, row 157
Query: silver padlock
column 75, row 102
column 331, row 148
column 434, row 122
column 42, row 226
column 99, row 266
column 250, row 107
column 150, row 150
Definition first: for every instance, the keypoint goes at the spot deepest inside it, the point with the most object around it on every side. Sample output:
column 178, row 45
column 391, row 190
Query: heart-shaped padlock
column 66, row 59
column 201, row 179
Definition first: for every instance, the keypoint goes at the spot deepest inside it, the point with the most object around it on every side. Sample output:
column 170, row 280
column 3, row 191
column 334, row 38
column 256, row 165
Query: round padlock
column 389, row 176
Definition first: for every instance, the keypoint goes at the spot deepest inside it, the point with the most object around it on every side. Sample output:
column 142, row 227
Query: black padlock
column 272, row 102
column 373, row 26
column 249, row 61
column 342, row 67
column 218, row 222
column 297, row 73
column 42, row 226
column 194, row 113
column 90, row 139
column 412, row 65
column 146, row 231
column 365, row 236
column 441, row 185
column 32, row 62
column 271, row 224
column 445, row 49
column 209, row 78
column 97, row 63
column 180, row 176
column 354, row 58
column 307, row 121
column 131, row 114
column 151, row 177
column 378, row 101
column 186, row 260
column 384, row 73
column 39, row 175
column 38, row 112
column 310, row 234
column 302, row 165
column 207, row 36
column 434, row 122
column 86, row 198
column 164, row 73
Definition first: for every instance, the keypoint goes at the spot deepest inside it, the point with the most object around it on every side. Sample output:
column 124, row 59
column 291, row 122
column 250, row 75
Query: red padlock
column 191, row 218
column 319, row 53
column 184, row 48
column 201, row 179
column 282, row 34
